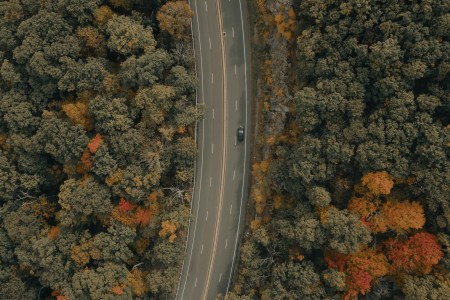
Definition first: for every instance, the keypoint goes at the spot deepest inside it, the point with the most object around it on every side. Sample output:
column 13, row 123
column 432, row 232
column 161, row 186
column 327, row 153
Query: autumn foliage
column 95, row 143
column 362, row 206
column 380, row 215
column 378, row 183
column 336, row 260
column 85, row 163
column 125, row 205
column 175, row 18
column 136, row 280
column 53, row 233
column 143, row 216
column 261, row 192
column 131, row 214
column 417, row 255
column 286, row 24
column 402, row 216
column 168, row 229
column 117, row 289
column 58, row 296
column 361, row 268
column 78, row 113
column 358, row 282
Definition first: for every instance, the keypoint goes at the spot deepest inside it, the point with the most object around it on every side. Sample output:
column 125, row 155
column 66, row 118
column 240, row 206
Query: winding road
column 221, row 181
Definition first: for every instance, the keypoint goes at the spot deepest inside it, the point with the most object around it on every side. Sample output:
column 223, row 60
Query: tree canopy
column 352, row 159
column 96, row 149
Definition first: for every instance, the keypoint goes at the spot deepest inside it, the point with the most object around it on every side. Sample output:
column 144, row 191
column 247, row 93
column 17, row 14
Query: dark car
column 240, row 133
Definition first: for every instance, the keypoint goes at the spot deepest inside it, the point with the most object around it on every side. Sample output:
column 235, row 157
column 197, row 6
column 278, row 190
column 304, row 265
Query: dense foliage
column 351, row 197
column 97, row 106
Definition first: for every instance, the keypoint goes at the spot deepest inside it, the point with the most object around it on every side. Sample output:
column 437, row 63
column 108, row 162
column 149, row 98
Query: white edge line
column 195, row 162
column 245, row 149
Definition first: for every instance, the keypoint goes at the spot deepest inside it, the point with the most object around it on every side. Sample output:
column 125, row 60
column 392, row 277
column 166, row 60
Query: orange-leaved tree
column 78, row 113
column 363, row 207
column 379, row 215
column 136, row 280
column 143, row 216
column 95, row 143
column 358, row 282
column 168, row 228
column 361, row 269
column 394, row 215
column 378, row 183
column 401, row 216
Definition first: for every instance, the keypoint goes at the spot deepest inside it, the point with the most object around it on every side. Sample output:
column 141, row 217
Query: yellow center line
column 224, row 131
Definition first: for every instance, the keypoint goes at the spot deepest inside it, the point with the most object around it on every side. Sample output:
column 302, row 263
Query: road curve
column 221, row 186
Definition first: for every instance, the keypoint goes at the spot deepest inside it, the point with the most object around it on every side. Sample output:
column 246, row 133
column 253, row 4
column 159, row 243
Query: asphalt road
column 221, row 185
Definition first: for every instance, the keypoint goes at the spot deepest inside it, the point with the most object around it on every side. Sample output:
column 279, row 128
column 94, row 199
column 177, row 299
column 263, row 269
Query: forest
column 350, row 192
column 97, row 147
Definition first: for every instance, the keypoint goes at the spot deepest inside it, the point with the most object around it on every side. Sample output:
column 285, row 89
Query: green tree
column 299, row 226
column 8, row 178
column 296, row 280
column 46, row 37
column 183, row 82
column 344, row 231
column 424, row 287
column 162, row 282
column 98, row 283
column 12, row 287
column 11, row 14
column 77, row 12
column 127, row 36
column 81, row 200
column 62, row 140
column 335, row 280
column 144, row 70
column 17, row 113
column 184, row 153
column 154, row 103
column 9, row 74
column 319, row 196
column 111, row 116
column 83, row 76
column 104, row 163
column 136, row 183
column 113, row 245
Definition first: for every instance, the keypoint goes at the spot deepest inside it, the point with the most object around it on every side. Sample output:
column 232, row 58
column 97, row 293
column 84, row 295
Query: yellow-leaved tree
column 175, row 18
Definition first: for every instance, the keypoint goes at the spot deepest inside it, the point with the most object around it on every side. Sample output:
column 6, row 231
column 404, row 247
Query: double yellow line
column 224, row 131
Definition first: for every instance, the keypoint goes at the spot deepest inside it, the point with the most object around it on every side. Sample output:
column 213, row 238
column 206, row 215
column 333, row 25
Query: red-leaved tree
column 417, row 255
